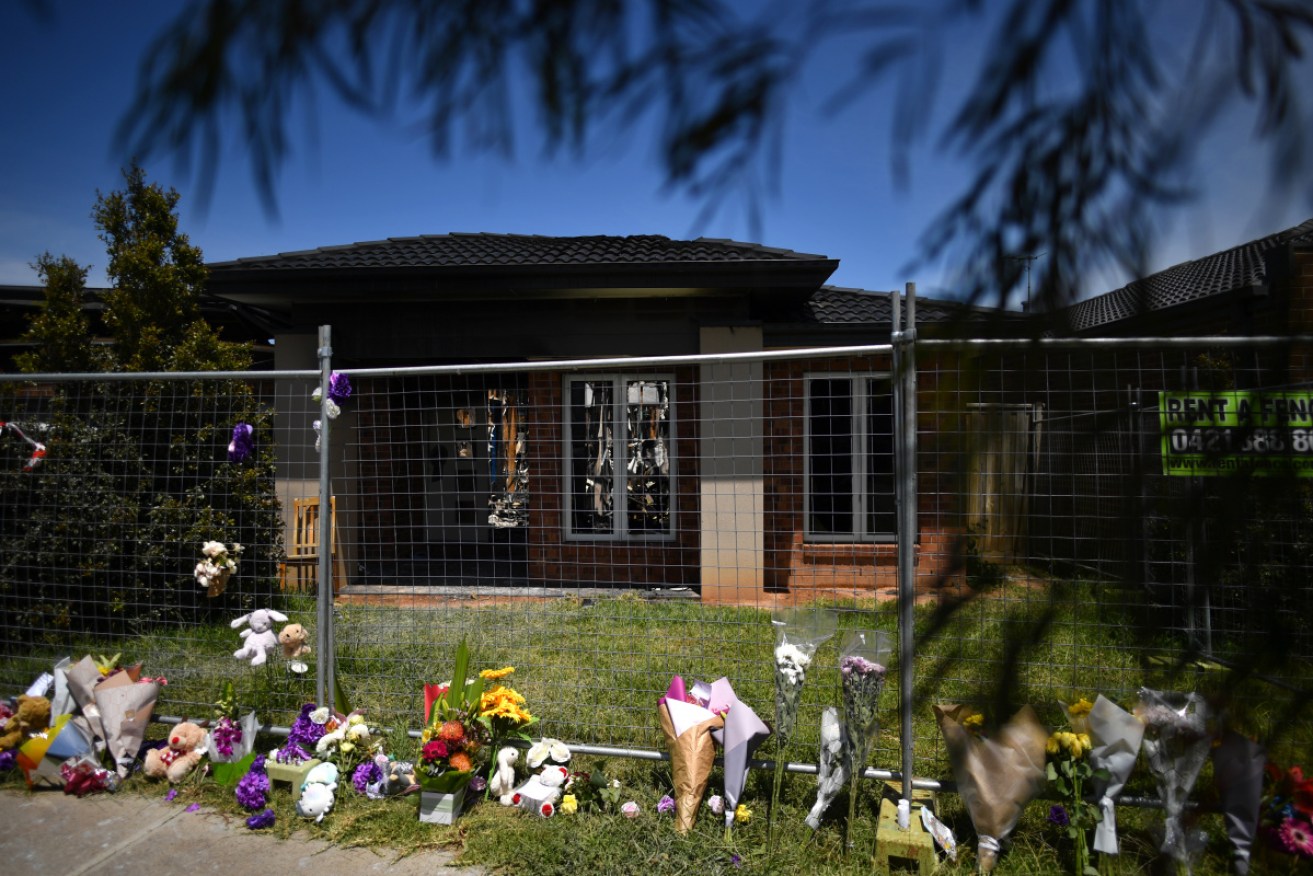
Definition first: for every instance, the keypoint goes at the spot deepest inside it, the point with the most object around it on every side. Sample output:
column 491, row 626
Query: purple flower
column 477, row 784
column 1058, row 816
column 195, row 807
column 242, row 444
column 253, row 789
column 225, row 734
column 666, row 804
column 302, row 737
column 736, row 860
column 261, row 820
column 365, row 775
column 339, row 387
column 171, row 796
column 7, row 760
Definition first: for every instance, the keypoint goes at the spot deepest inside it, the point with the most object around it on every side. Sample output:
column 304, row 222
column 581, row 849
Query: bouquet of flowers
column 739, row 737
column 308, row 728
column 1286, row 812
column 1176, row 744
column 1115, row 735
column 502, row 709
column 798, row 633
column 831, row 773
column 1069, row 771
column 217, row 565
column 231, row 738
column 339, row 390
column 454, row 733
column 862, row 663
column 349, row 742
column 996, row 777
column 688, row 718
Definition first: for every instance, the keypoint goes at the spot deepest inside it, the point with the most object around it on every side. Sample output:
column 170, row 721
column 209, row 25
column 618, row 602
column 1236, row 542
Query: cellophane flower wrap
column 863, row 662
column 799, row 633
column 453, row 735
column 1238, row 765
column 1176, row 745
column 1116, row 735
column 742, row 732
column 997, row 775
column 231, row 738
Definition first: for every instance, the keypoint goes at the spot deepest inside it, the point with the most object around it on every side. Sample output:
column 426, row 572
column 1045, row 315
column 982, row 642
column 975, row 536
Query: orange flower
column 460, row 761
column 452, row 731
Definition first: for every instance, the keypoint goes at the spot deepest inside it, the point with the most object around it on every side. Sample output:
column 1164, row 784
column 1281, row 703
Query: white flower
column 213, row 548
column 716, row 804
column 792, row 654
column 331, row 408
column 317, row 394
column 320, row 715
column 358, row 732
column 236, row 548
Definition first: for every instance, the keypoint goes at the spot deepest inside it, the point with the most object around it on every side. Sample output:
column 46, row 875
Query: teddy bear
column 31, row 717
column 398, row 778
column 181, row 755
column 293, row 639
column 260, row 640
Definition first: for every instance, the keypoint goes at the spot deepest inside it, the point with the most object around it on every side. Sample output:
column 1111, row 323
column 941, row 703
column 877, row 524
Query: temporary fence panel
column 1080, row 528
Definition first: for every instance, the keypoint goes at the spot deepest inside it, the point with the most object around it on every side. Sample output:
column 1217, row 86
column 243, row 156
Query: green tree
column 158, row 277
column 59, row 333
column 136, row 478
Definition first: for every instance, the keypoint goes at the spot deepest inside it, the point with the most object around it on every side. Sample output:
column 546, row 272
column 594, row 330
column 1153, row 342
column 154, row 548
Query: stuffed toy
column 181, row 755
column 398, row 778
column 502, row 783
column 317, row 792
column 260, row 640
column 31, row 717
column 293, row 638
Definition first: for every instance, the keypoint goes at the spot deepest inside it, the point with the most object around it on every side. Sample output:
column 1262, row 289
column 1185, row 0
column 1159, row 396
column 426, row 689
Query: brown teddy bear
column 180, row 757
column 293, row 638
column 32, row 717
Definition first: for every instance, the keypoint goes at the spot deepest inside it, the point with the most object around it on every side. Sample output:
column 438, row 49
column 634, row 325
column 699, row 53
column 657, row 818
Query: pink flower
column 1297, row 837
column 629, row 810
column 667, row 804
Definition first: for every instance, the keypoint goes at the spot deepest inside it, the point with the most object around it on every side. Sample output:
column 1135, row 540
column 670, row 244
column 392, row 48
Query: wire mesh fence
column 1090, row 518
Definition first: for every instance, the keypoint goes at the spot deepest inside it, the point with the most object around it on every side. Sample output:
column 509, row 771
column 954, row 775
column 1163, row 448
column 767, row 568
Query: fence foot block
column 294, row 773
column 904, row 850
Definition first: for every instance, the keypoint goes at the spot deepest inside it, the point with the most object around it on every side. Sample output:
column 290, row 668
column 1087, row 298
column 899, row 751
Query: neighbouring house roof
column 838, row 305
column 1242, row 267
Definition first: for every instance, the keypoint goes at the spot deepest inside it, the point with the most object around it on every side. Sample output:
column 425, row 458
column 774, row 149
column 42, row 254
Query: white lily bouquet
column 1176, row 745
column 798, row 634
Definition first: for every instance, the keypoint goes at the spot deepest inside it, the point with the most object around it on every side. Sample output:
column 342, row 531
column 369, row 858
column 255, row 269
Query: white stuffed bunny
column 502, row 784
column 260, row 640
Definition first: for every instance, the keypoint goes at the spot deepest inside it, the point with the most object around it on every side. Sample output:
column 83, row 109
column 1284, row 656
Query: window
column 850, row 458
column 618, row 457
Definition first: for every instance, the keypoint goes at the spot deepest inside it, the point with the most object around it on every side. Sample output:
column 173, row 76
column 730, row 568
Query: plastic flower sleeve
column 862, row 668
column 742, row 732
column 1116, row 735
column 995, row 777
column 1176, row 745
column 798, row 633
column 1238, row 771
column 831, row 775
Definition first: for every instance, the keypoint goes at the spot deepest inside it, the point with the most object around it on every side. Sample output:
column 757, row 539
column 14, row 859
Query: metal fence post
column 324, row 686
column 904, row 355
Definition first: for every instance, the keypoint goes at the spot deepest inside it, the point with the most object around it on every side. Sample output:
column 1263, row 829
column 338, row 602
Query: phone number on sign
column 1226, row 440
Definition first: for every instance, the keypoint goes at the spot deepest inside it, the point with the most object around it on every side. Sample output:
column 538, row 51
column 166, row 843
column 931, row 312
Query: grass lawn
column 592, row 670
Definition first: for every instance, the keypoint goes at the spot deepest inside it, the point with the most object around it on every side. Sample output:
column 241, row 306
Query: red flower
column 548, row 810
column 434, row 750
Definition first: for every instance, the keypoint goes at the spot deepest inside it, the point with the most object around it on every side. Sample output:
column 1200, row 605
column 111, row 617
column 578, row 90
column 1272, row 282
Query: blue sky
column 68, row 81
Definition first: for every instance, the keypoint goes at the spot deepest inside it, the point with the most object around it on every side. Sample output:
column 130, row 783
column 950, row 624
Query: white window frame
column 861, row 462
column 619, row 457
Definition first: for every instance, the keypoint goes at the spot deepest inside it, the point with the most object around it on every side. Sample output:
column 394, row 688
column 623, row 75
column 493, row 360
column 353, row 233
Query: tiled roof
column 1236, row 268
column 516, row 250
column 836, row 305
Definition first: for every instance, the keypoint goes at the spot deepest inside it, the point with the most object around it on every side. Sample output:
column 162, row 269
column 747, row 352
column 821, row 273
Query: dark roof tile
column 1236, row 268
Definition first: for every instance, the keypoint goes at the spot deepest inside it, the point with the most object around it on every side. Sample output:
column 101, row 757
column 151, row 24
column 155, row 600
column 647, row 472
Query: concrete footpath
column 52, row 833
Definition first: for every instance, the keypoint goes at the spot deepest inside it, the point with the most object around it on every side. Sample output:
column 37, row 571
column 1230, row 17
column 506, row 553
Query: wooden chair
column 300, row 571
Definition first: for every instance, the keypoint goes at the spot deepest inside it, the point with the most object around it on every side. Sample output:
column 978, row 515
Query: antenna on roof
column 1027, row 259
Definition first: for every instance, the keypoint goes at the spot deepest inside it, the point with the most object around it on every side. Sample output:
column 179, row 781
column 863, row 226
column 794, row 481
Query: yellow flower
column 1053, row 746
column 1081, row 707
column 742, row 814
column 569, row 805
column 494, row 674
column 974, row 723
